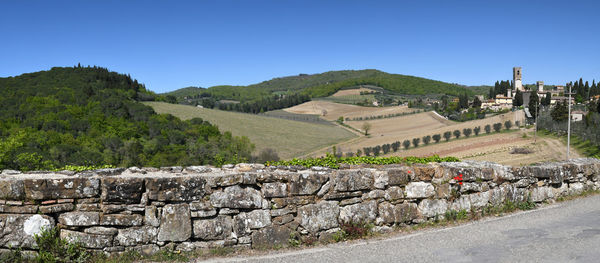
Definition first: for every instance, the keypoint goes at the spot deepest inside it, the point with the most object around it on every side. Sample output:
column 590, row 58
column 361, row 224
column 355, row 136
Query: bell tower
column 517, row 78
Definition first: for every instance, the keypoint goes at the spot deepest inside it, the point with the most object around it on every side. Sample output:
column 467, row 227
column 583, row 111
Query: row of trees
column 415, row 142
column 268, row 103
column 377, row 117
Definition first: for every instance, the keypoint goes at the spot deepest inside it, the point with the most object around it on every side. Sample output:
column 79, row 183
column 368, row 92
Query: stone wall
column 250, row 205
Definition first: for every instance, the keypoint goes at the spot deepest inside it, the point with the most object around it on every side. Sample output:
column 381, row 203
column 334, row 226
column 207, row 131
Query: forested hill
column 300, row 88
column 91, row 116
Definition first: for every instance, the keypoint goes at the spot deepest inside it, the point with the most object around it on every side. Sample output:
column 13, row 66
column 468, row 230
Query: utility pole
column 569, row 125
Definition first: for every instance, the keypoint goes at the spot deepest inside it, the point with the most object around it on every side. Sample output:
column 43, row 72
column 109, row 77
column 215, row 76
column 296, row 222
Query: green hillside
column 91, row 116
column 289, row 138
column 289, row 91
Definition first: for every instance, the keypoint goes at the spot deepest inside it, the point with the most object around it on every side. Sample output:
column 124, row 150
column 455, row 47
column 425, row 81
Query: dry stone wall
column 250, row 205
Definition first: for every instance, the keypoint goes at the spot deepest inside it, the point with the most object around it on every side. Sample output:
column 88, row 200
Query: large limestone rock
column 359, row 213
column 136, row 236
column 353, row 180
column 244, row 222
column 185, row 188
column 121, row 220
column 433, row 207
column 274, row 189
column 271, row 236
column 79, row 219
column 399, row 176
column 86, row 239
column 419, row 190
column 44, row 189
column 237, row 197
column 400, row 213
column 12, row 189
column 19, row 230
column 539, row 194
column 123, row 190
column 218, row 228
column 176, row 224
column 320, row 216
column 306, row 183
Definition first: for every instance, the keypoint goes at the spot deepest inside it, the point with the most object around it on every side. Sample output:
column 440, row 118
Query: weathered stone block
column 539, row 194
column 320, row 216
column 43, row 189
column 359, row 213
column 123, row 190
column 87, row 240
column 79, row 218
column 394, row 193
column 136, row 236
column 57, row 208
column 419, row 190
column 19, row 209
column 12, row 189
column 213, row 229
column 306, row 183
column 99, row 230
column 381, row 179
column 423, row 172
column 353, row 180
column 433, row 207
column 19, row 230
column 121, row 220
column 237, row 197
column 176, row 224
column 182, row 188
column 274, row 190
column 399, row 176
column 244, row 222
column 271, row 236
column 399, row 213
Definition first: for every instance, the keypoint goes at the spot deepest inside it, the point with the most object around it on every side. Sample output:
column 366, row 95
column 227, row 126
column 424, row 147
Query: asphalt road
column 564, row 232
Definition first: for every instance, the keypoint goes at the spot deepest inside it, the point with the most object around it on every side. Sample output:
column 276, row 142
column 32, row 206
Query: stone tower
column 517, row 78
column 540, row 86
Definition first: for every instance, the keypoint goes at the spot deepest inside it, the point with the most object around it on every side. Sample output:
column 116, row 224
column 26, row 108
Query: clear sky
column 173, row 44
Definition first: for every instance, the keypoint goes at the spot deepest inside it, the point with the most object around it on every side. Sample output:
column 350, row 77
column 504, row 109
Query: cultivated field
column 290, row 138
column 347, row 92
column 335, row 110
column 496, row 147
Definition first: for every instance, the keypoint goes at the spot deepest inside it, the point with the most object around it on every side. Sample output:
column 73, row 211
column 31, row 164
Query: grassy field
column 336, row 110
column 290, row 138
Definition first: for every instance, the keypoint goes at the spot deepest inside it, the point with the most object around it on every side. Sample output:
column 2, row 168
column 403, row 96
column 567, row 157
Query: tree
column 376, row 150
column 476, row 102
column 416, row 141
column 395, row 146
column 547, row 100
column 518, row 100
column 406, row 144
column 340, row 120
column 386, row 148
column 463, row 101
column 507, row 125
column 467, row 131
column 447, row 135
column 488, row 128
column 456, row 133
column 476, row 130
column 497, row 126
column 533, row 104
column 366, row 127
column 560, row 112
column 358, row 153
column 426, row 139
column 436, row 138
column 367, row 151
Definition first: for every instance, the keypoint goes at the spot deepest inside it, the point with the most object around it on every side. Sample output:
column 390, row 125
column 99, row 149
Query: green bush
column 52, row 248
column 332, row 161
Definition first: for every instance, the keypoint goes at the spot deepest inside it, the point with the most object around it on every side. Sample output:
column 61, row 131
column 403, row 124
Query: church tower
column 517, row 79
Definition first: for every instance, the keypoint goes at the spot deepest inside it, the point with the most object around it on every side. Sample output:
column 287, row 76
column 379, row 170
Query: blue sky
column 173, row 44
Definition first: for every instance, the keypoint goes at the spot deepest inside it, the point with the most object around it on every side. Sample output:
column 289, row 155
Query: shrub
column 436, row 138
column 52, row 248
column 447, row 135
column 395, row 146
column 426, row 139
column 507, row 125
column 488, row 128
column 467, row 131
column 406, row 144
column 476, row 130
column 497, row 126
column 358, row 152
column 416, row 141
column 456, row 133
